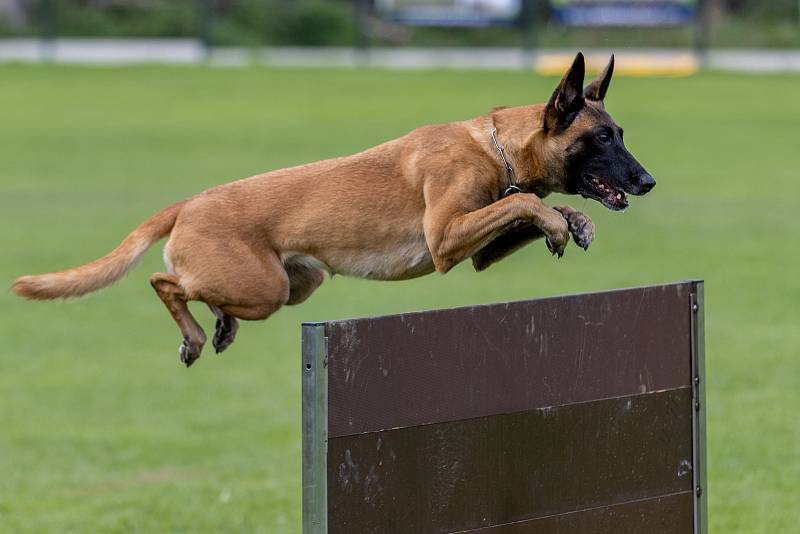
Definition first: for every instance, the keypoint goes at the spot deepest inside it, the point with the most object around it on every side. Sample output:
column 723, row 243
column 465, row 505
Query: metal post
column 527, row 30
column 49, row 28
column 204, row 26
column 702, row 31
column 697, row 314
column 315, row 429
column 361, row 45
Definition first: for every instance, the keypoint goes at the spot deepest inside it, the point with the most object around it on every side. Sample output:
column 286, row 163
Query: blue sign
column 640, row 13
column 475, row 13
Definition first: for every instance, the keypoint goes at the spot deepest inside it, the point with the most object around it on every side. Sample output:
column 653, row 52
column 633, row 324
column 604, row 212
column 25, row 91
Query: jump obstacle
column 576, row 414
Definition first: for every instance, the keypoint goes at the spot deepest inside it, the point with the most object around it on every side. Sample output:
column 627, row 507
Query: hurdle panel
column 581, row 413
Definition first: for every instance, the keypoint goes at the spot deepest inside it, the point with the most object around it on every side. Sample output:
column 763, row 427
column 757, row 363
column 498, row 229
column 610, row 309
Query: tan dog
column 423, row 202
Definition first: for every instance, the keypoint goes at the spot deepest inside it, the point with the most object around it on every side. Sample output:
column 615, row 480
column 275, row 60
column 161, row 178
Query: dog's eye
column 603, row 137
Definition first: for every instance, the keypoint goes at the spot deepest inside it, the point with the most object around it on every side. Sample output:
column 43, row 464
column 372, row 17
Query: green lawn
column 103, row 430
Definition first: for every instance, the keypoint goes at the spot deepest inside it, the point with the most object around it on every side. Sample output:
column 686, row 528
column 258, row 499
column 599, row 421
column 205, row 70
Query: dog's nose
column 646, row 182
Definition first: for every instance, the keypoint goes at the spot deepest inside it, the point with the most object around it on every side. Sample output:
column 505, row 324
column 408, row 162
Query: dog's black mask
column 599, row 167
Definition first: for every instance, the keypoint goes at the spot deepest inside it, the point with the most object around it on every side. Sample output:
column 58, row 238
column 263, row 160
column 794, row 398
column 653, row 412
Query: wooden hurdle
column 575, row 414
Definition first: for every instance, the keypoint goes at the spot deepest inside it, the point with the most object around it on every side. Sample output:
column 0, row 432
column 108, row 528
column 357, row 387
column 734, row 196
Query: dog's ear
column 597, row 89
column 567, row 99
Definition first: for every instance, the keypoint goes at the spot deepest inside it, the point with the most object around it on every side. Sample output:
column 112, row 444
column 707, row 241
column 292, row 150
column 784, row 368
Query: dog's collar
column 512, row 177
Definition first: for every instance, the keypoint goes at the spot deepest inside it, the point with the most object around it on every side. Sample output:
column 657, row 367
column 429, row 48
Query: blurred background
column 112, row 109
column 235, row 31
column 729, row 23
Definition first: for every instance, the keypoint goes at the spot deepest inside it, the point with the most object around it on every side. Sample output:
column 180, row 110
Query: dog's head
column 585, row 151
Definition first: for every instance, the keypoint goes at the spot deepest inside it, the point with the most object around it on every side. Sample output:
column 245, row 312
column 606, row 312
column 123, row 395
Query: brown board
column 532, row 416
column 670, row 514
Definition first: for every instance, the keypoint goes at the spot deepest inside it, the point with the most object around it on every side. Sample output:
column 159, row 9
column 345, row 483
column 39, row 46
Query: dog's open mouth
column 603, row 192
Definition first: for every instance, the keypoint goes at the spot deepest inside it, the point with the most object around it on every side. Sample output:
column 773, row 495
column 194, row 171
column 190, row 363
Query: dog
column 411, row 206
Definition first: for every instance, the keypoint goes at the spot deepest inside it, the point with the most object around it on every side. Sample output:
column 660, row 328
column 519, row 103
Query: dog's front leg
column 580, row 226
column 505, row 245
column 454, row 235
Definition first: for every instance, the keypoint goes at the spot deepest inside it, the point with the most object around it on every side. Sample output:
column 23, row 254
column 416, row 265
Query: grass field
column 102, row 429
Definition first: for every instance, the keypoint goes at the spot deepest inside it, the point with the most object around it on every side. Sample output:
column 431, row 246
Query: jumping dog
column 403, row 209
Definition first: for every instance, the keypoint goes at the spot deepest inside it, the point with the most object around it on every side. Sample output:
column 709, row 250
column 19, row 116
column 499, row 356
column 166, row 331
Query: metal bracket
column 696, row 311
column 315, row 429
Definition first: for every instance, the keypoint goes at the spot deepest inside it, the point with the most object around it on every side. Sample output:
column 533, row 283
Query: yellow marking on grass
column 625, row 64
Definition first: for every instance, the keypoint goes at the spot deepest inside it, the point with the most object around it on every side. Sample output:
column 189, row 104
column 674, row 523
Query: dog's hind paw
column 189, row 352
column 225, row 333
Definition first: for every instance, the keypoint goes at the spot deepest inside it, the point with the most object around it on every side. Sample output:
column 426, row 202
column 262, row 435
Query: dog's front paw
column 580, row 226
column 582, row 229
column 556, row 235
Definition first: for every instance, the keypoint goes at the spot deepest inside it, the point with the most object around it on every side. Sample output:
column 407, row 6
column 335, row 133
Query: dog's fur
column 420, row 203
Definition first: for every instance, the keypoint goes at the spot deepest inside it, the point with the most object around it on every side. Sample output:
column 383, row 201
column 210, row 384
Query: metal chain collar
column 512, row 177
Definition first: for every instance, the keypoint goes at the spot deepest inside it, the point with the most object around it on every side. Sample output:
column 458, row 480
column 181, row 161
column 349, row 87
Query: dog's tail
column 101, row 273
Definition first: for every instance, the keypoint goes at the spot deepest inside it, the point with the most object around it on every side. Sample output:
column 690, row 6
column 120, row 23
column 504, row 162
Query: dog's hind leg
column 171, row 293
column 225, row 329
column 236, row 278
column 303, row 280
column 252, row 288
